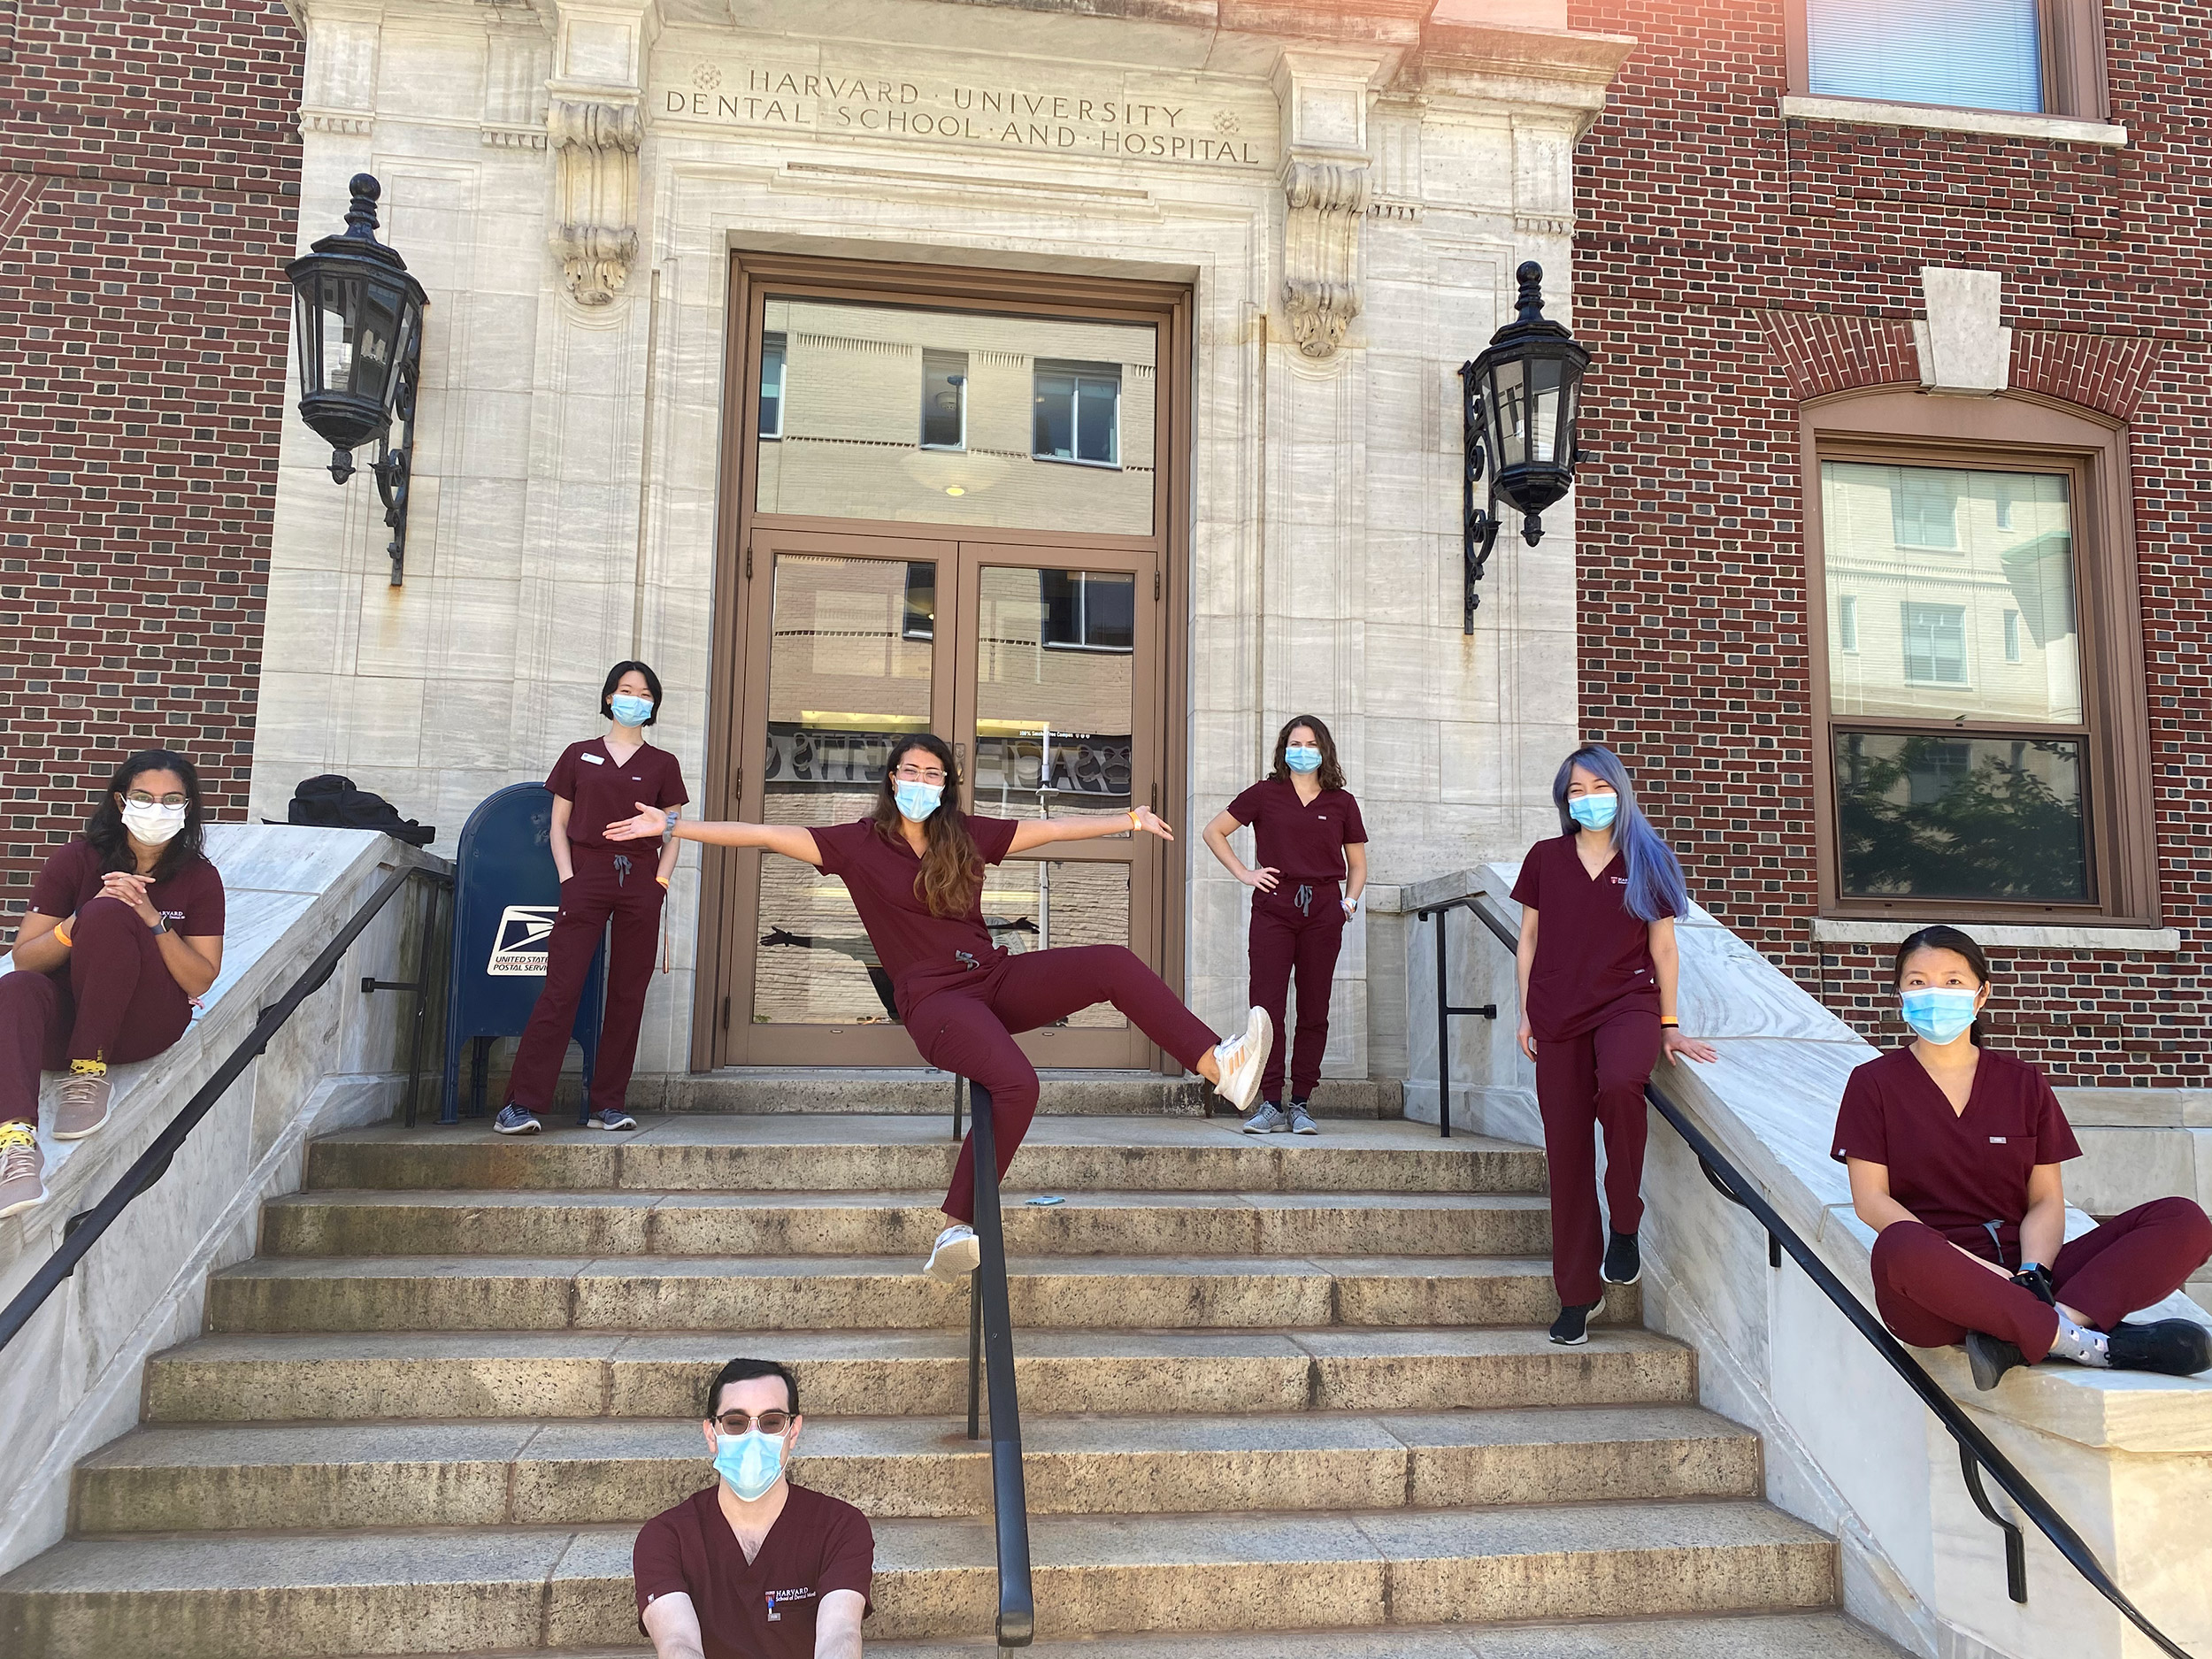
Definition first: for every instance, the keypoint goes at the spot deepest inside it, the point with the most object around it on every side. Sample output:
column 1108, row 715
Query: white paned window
column 1962, row 54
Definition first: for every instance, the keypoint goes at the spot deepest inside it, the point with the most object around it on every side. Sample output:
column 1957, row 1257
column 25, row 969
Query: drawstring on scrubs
column 1304, row 898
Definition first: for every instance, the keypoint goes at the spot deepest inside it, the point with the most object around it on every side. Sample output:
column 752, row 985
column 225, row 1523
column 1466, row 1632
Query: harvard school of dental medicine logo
column 519, row 952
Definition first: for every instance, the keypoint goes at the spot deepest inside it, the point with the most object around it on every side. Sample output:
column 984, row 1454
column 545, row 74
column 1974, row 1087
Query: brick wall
column 1728, row 264
column 149, row 176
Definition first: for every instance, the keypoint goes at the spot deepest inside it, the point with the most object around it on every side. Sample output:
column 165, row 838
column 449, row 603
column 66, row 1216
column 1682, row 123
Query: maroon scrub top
column 1955, row 1171
column 191, row 900
column 601, row 790
column 921, row 951
column 1593, row 955
column 763, row 1608
column 1300, row 843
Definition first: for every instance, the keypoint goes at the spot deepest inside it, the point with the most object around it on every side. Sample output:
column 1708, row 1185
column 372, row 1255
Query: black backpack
column 331, row 803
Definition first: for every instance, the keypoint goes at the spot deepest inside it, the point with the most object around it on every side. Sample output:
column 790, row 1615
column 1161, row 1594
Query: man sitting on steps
column 754, row 1567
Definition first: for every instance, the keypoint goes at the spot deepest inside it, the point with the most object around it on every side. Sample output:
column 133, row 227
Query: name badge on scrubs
column 594, row 759
column 1996, row 1141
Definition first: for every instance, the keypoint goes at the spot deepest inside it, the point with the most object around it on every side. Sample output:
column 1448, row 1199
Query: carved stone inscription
column 1099, row 121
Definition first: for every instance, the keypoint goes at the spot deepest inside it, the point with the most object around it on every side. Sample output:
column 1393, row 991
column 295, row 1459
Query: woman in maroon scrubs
column 591, row 783
column 124, row 929
column 1954, row 1152
column 1307, row 839
column 1597, row 1010
column 915, row 871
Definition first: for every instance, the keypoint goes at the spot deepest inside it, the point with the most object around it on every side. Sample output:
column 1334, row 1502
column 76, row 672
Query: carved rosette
column 595, row 151
column 1327, row 201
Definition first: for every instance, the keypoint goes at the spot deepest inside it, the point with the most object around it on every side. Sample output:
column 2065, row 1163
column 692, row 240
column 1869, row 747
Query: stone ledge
column 1999, row 123
column 2150, row 940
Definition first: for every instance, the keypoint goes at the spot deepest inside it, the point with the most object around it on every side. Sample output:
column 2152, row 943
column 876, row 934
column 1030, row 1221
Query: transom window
column 1966, row 54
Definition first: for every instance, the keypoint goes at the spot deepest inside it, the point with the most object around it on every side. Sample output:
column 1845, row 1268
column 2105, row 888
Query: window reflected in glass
column 1934, row 816
column 1054, row 700
column 906, row 414
column 1943, row 557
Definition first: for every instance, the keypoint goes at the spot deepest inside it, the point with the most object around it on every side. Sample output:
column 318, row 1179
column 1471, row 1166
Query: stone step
column 889, row 1154
column 262, row 1597
column 528, row 1375
column 1724, row 1636
column 376, row 1223
column 815, row 1293
column 917, row 1091
column 579, row 1473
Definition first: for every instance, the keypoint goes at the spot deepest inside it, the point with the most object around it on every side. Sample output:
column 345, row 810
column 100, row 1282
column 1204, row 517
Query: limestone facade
column 1345, row 190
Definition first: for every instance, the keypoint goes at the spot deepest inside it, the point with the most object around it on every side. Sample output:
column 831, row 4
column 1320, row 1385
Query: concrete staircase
column 1279, row 1396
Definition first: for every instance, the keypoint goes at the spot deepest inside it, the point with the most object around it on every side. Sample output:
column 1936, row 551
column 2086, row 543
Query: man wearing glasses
column 754, row 1567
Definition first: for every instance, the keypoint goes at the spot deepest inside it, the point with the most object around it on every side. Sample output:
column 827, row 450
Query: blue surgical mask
column 1594, row 811
column 917, row 801
column 1940, row 1012
column 631, row 711
column 751, row 1462
column 1300, row 758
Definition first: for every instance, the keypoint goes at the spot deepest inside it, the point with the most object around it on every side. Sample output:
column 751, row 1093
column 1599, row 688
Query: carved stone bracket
column 595, row 150
column 1326, row 200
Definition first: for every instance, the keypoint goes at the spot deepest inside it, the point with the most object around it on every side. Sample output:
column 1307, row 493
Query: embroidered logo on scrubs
column 776, row 1598
column 1996, row 1141
column 518, row 950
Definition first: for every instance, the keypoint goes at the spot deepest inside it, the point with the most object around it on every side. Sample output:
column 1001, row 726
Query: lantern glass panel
column 1544, row 423
column 1508, row 402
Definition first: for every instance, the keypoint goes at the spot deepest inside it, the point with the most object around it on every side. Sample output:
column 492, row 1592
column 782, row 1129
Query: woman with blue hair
column 1597, row 983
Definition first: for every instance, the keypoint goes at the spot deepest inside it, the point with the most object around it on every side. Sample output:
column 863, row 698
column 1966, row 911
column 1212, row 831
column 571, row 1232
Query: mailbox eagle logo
column 519, row 950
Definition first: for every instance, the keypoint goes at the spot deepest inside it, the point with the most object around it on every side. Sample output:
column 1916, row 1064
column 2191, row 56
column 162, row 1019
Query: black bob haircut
column 614, row 679
column 745, row 1371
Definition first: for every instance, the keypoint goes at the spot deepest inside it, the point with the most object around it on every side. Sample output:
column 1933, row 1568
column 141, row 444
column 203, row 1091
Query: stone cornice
column 1455, row 53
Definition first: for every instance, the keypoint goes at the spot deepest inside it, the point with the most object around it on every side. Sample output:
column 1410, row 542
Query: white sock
column 2084, row 1347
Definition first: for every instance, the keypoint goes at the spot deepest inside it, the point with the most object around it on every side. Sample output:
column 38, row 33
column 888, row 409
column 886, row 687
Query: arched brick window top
column 1822, row 353
column 1980, row 719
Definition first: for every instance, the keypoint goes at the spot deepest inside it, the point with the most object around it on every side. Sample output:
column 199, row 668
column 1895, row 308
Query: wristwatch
column 161, row 922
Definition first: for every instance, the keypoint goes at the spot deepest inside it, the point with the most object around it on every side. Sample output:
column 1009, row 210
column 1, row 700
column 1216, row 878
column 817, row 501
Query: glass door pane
column 851, row 666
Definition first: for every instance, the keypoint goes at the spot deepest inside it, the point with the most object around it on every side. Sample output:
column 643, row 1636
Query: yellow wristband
column 1134, row 821
column 662, row 880
column 1675, row 1023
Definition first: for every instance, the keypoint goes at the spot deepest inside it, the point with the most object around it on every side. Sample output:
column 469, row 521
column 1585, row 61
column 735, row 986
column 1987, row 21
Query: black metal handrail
column 82, row 1231
column 1976, row 1450
column 991, row 1360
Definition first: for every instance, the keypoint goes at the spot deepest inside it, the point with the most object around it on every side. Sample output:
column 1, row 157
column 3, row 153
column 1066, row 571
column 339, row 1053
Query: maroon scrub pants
column 116, row 1001
column 1298, row 929
column 1931, row 1296
column 1582, row 1084
column 968, row 1028
column 607, row 884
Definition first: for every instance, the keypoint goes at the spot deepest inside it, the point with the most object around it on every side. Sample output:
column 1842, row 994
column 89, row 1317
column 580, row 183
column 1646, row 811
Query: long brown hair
column 952, row 871
column 1331, row 775
column 1939, row 937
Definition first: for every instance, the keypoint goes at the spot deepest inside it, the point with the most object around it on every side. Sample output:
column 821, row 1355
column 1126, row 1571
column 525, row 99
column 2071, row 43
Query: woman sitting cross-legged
column 125, row 928
column 915, row 871
column 1954, row 1151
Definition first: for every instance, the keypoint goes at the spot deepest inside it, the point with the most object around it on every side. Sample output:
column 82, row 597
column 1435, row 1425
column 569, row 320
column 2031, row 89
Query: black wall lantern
column 1524, row 398
column 358, row 318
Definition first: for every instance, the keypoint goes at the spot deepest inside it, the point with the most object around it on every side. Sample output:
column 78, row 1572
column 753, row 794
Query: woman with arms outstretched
column 915, row 871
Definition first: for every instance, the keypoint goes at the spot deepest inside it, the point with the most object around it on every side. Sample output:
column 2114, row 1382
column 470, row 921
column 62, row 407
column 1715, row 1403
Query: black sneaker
column 1624, row 1262
column 2173, row 1347
column 1571, row 1328
column 1991, row 1357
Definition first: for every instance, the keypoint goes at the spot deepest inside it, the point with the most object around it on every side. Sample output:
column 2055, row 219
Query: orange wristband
column 61, row 931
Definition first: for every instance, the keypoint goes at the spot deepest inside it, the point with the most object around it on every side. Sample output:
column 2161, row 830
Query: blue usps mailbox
column 504, row 900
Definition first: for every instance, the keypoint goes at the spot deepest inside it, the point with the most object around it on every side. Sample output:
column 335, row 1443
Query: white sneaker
column 1242, row 1059
column 955, row 1254
column 22, row 1169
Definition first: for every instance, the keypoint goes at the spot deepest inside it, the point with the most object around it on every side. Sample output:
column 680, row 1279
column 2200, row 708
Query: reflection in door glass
column 847, row 674
column 1054, row 700
column 938, row 417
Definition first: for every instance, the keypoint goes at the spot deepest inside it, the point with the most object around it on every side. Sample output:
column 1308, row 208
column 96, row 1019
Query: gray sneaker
column 80, row 1106
column 516, row 1120
column 1268, row 1119
column 1302, row 1121
column 22, row 1168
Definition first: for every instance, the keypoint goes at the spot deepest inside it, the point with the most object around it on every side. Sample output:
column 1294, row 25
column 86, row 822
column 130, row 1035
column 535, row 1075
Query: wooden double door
column 1033, row 638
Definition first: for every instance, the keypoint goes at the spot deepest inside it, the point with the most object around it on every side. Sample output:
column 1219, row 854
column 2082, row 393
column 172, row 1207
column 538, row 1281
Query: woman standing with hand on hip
column 593, row 784
column 1597, row 966
column 914, row 867
column 1308, row 838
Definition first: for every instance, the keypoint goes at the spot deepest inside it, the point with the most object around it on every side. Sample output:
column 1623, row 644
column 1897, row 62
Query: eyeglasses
column 772, row 1422
column 915, row 775
column 139, row 797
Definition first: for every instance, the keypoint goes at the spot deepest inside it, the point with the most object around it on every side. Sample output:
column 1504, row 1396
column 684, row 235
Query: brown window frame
column 2074, row 85
column 2023, row 432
